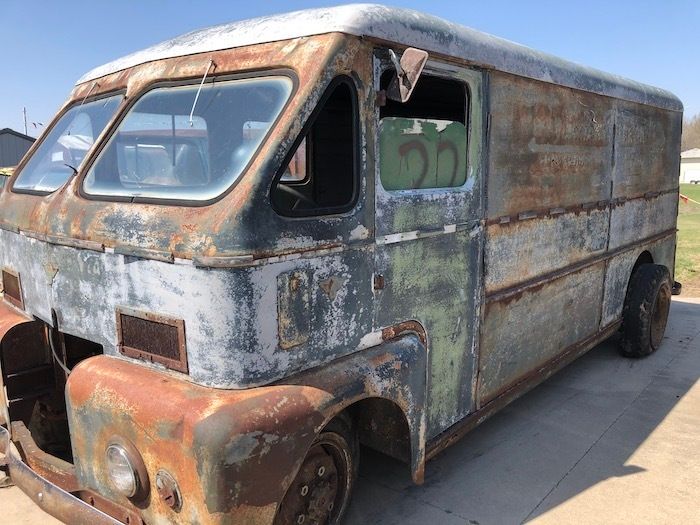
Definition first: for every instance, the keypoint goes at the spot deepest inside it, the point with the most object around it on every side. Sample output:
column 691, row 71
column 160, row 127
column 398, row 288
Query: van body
column 234, row 256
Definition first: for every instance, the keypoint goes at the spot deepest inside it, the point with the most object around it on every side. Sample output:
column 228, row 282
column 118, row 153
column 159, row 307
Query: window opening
column 320, row 177
column 423, row 142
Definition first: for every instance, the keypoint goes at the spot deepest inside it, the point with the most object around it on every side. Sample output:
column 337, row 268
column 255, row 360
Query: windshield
column 174, row 144
column 65, row 146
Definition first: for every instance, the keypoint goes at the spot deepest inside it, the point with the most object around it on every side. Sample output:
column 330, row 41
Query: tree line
column 691, row 133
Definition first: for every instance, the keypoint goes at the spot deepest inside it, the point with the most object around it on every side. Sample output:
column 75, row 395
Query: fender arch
column 392, row 372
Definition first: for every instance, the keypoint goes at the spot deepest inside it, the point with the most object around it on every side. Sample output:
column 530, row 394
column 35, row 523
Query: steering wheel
column 299, row 196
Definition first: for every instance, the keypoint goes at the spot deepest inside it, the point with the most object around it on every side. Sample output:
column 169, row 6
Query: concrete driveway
column 607, row 440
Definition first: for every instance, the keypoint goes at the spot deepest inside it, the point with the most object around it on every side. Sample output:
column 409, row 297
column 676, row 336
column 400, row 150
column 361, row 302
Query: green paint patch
column 422, row 153
column 436, row 270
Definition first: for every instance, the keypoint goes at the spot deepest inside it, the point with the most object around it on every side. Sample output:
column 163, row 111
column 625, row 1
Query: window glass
column 158, row 151
column 296, row 169
column 320, row 177
column 65, row 147
column 422, row 153
column 423, row 143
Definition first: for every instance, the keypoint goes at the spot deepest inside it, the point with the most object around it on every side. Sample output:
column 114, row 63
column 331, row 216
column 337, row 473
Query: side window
column 320, row 177
column 423, row 143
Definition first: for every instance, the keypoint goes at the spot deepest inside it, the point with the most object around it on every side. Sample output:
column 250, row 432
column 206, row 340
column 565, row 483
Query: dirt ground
column 691, row 288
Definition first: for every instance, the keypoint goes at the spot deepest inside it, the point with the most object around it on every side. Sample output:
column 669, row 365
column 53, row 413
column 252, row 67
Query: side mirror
column 408, row 70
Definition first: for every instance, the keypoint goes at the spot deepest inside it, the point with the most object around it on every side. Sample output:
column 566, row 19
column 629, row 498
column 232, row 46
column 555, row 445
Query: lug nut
column 321, row 471
column 304, row 490
column 300, row 519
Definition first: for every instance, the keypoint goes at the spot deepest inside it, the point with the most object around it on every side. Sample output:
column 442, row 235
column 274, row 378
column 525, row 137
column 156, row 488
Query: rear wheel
column 321, row 490
column 646, row 310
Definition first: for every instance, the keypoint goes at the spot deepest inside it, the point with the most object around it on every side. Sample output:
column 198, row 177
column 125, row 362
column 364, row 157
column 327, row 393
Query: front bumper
column 50, row 497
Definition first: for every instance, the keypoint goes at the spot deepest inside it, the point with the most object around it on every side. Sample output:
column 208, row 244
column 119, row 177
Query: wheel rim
column 659, row 315
column 319, row 493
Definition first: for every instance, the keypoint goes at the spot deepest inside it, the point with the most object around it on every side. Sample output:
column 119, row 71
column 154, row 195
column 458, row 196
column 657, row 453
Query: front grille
column 13, row 292
column 152, row 337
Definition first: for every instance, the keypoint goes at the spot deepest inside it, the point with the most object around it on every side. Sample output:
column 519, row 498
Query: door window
column 423, row 142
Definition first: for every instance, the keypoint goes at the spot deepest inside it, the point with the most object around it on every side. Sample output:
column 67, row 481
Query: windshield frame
column 131, row 101
column 10, row 186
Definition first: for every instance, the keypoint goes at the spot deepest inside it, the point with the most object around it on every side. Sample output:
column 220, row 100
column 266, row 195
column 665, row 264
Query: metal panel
column 641, row 218
column 647, row 150
column 230, row 314
column 422, row 153
column 522, row 332
column 407, row 28
column 12, row 148
column 522, row 250
column 435, row 281
column 429, row 255
column 549, row 147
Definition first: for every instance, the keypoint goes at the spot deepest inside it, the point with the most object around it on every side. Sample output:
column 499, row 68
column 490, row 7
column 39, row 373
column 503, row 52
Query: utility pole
column 24, row 112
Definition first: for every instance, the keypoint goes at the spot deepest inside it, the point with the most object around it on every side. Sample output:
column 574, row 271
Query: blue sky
column 46, row 46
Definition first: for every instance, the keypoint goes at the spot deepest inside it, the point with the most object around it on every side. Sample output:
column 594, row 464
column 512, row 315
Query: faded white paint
column 405, row 27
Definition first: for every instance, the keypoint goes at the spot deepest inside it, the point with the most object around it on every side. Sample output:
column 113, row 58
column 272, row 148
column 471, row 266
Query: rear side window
column 169, row 147
column 423, row 143
column 320, row 177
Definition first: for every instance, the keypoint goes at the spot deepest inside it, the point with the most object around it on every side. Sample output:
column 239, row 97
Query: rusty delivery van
column 234, row 257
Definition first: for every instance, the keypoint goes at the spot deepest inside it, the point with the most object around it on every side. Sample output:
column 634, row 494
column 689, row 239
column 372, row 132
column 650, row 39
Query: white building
column 690, row 166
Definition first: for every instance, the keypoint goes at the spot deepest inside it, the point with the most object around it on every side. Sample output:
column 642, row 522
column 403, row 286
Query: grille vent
column 13, row 292
column 152, row 337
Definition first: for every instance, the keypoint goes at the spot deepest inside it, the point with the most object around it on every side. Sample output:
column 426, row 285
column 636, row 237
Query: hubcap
column 317, row 494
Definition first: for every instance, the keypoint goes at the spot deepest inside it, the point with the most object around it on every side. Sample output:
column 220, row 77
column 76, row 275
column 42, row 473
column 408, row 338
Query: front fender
column 233, row 453
column 395, row 370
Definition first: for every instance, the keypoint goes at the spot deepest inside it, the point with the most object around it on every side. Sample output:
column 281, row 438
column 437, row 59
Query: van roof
column 406, row 27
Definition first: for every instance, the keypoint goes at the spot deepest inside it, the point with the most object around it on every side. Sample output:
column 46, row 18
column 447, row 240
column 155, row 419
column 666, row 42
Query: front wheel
column 646, row 310
column 320, row 493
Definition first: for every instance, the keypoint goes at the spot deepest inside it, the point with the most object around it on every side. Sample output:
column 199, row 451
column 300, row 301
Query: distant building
column 690, row 166
column 13, row 146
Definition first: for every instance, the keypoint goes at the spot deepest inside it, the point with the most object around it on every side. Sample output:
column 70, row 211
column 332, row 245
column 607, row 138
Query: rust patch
column 332, row 286
column 392, row 332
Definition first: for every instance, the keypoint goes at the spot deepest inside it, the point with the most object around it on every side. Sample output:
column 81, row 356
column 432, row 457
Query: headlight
column 121, row 471
column 126, row 470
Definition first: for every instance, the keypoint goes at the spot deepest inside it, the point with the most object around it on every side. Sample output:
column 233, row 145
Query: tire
column 321, row 491
column 645, row 313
